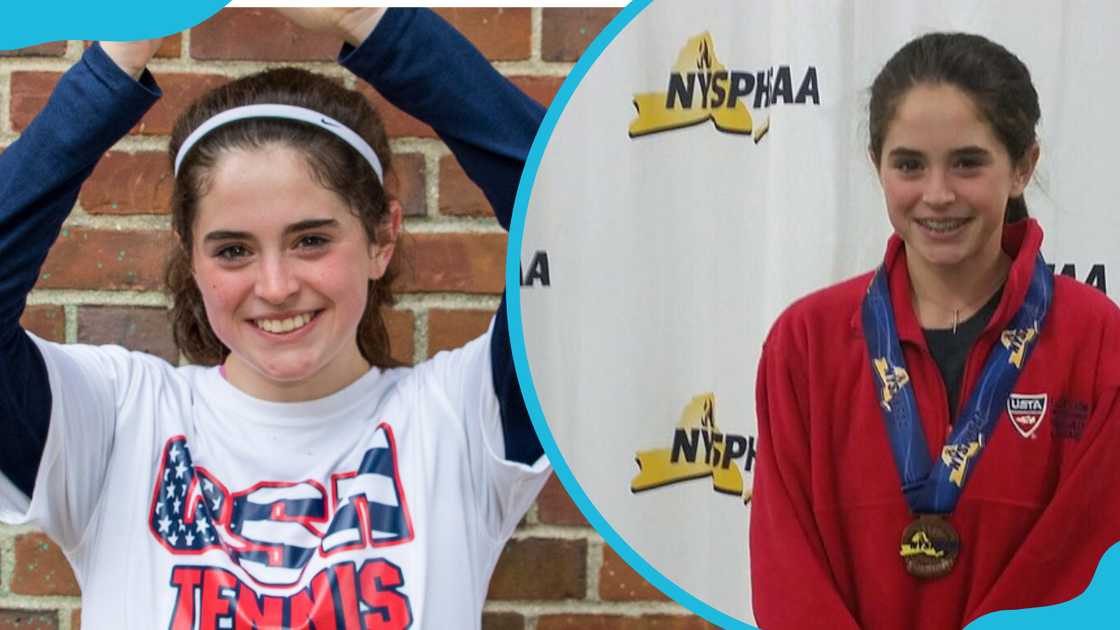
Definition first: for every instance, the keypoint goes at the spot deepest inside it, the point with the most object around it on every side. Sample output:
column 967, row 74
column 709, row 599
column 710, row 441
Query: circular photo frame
column 701, row 169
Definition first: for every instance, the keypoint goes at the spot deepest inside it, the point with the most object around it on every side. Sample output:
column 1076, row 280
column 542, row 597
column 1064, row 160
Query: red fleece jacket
column 827, row 511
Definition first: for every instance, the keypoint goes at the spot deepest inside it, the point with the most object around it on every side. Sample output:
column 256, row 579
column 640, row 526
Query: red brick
column 408, row 183
column 28, row 620
column 448, row 329
column 170, row 48
column 502, row 621
column 555, row 507
column 30, row 91
column 46, row 320
column 259, row 34
column 76, row 619
column 129, row 183
column 619, row 582
column 617, row 622
column 400, row 325
column 401, row 125
column 565, row 33
column 501, row 34
column 540, row 89
column 41, row 569
column 458, row 195
column 461, row 263
column 137, row 328
column 179, row 91
column 49, row 49
column 102, row 259
column 541, row 568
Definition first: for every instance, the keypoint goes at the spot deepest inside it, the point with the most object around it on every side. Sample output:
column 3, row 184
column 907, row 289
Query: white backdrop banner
column 710, row 168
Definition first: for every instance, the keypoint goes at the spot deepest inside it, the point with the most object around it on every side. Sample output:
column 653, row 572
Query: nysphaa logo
column 701, row 89
column 699, row 450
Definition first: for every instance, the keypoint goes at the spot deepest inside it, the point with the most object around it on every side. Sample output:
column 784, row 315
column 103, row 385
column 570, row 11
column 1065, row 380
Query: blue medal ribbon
column 934, row 487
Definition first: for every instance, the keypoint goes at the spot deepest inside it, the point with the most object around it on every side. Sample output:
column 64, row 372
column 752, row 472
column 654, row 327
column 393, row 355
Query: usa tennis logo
column 273, row 532
column 1026, row 412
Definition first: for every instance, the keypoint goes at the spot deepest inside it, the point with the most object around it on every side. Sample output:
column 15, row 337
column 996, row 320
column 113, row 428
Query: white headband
column 289, row 112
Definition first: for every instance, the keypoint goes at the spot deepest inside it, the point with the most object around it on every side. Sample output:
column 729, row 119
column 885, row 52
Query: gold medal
column 929, row 547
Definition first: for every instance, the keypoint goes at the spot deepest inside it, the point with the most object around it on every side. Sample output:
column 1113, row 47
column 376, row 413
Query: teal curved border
column 29, row 23
column 1092, row 609
column 1085, row 611
column 517, row 334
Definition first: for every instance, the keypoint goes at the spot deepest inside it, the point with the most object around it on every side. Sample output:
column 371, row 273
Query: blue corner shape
column 30, row 23
column 1092, row 609
column 517, row 334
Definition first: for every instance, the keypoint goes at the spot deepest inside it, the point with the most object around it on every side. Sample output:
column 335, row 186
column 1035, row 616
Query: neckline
column 303, row 413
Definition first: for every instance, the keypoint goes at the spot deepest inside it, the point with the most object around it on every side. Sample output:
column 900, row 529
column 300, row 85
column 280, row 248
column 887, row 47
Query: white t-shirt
column 183, row 503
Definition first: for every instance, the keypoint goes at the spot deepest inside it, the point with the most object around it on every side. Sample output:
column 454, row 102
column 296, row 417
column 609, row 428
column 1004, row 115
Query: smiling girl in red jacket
column 936, row 437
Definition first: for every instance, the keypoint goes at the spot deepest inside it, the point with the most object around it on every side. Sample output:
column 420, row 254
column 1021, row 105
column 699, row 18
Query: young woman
column 936, row 437
column 302, row 480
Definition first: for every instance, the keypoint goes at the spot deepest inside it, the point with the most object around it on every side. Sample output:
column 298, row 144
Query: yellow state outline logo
column 697, row 67
column 697, row 430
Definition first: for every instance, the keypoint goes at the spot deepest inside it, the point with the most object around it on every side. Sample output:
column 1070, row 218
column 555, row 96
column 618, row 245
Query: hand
column 352, row 25
column 132, row 57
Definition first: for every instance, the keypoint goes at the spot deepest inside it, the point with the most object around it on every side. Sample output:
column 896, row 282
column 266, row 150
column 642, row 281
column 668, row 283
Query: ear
column 381, row 254
column 1024, row 170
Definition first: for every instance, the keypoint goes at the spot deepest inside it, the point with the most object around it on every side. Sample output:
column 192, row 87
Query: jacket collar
column 1021, row 240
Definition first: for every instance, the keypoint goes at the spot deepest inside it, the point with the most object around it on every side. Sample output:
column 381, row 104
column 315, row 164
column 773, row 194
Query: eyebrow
column 302, row 226
column 971, row 150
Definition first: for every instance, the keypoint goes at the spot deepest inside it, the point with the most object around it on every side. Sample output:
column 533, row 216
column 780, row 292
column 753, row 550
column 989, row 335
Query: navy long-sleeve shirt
column 414, row 58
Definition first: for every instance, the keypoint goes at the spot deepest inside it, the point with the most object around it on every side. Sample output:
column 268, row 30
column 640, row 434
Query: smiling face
column 283, row 266
column 947, row 178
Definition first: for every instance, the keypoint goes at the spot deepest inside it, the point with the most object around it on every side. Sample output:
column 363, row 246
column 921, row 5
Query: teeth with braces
column 283, row 325
column 942, row 225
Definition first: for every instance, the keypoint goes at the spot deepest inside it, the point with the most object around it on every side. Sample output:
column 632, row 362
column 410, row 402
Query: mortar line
column 420, row 335
column 74, row 50
column 594, row 566
column 5, row 102
column 555, row 532
column 185, row 45
column 535, row 35
column 70, row 323
column 97, row 297
column 447, row 301
column 7, row 560
column 431, row 184
column 629, row 608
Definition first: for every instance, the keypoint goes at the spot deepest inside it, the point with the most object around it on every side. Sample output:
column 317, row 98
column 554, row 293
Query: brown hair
column 333, row 164
column 996, row 80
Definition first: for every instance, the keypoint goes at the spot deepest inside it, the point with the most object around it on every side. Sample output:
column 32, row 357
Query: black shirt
column 950, row 349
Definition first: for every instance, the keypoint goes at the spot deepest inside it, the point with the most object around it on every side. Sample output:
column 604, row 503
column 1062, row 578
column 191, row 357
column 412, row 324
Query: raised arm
column 94, row 105
column 426, row 68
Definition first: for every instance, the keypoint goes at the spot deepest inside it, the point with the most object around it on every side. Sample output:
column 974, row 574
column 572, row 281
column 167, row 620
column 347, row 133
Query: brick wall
column 101, row 284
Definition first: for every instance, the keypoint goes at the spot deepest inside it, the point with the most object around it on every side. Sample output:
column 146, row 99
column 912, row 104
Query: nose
column 276, row 280
column 938, row 191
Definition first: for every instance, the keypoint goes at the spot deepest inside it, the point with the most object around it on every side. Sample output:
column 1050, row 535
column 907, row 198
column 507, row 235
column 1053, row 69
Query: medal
column 929, row 547
column 932, row 486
